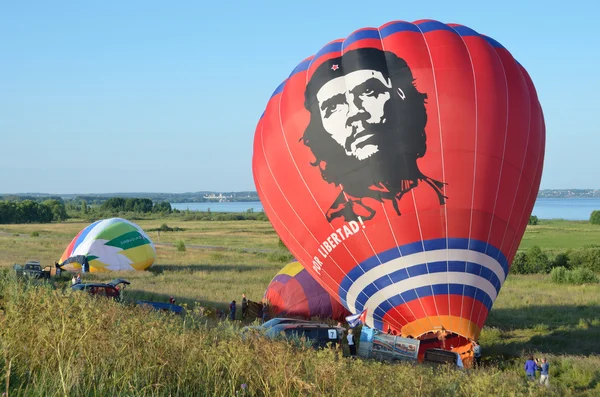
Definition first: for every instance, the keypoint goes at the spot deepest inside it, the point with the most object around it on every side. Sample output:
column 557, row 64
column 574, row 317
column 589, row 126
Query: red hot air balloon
column 400, row 165
column 293, row 292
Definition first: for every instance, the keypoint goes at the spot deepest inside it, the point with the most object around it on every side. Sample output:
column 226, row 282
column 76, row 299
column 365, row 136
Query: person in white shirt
column 351, row 344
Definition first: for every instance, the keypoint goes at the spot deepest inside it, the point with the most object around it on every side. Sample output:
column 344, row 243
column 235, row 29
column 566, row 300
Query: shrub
column 561, row 260
column 180, row 246
column 518, row 265
column 588, row 258
column 582, row 276
column 533, row 220
column 35, row 234
column 595, row 217
column 561, row 275
column 537, row 261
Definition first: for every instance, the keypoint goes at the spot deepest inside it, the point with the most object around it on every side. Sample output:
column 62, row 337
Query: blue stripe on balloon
column 407, row 296
column 84, row 234
column 434, row 26
column 302, row 66
column 429, row 245
column 493, row 42
column 328, row 49
column 362, row 35
column 396, row 27
column 421, row 269
column 278, row 89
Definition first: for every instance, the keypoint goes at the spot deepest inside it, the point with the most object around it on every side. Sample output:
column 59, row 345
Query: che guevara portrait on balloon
column 367, row 131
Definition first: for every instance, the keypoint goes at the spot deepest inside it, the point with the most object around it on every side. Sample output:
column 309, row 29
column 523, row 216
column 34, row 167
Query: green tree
column 114, row 204
column 588, row 257
column 533, row 220
column 562, row 260
column 59, row 212
column 518, row 264
column 595, row 217
column 537, row 261
column 162, row 207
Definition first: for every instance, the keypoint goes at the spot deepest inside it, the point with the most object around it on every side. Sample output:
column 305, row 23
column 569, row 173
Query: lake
column 545, row 208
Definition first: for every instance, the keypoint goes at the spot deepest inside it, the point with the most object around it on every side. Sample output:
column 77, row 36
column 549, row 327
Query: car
column 282, row 320
column 261, row 329
column 111, row 290
column 317, row 334
column 161, row 306
column 31, row 269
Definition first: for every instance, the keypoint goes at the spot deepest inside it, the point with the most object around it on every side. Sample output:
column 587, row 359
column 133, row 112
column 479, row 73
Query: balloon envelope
column 400, row 165
column 110, row 244
column 293, row 292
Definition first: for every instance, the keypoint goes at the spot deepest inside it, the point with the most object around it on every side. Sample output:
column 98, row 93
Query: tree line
column 580, row 265
column 30, row 211
column 139, row 205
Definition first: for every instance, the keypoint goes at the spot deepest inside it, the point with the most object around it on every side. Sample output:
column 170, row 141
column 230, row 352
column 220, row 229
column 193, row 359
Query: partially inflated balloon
column 400, row 165
column 109, row 244
column 293, row 292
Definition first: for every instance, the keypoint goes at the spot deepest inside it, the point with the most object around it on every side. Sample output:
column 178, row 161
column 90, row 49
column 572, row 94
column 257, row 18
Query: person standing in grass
column 543, row 367
column 477, row 354
column 244, row 306
column 530, row 368
column 351, row 344
column 232, row 310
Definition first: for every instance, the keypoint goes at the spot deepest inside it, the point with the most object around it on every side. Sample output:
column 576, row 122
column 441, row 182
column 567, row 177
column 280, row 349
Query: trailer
column 378, row 345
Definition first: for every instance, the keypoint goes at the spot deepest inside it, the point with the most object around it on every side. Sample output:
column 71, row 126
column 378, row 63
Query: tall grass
column 57, row 343
column 60, row 344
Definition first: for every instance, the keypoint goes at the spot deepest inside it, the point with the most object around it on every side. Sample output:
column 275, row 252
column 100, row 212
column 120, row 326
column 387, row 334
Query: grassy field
column 560, row 235
column 531, row 315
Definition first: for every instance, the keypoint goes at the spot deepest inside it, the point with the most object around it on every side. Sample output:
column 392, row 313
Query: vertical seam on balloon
column 520, row 170
column 531, row 98
column 307, row 188
column 522, row 164
column 370, row 313
column 314, row 199
column 474, row 171
column 442, row 157
column 493, row 50
column 275, row 213
column 358, row 264
column 329, row 290
column 383, row 205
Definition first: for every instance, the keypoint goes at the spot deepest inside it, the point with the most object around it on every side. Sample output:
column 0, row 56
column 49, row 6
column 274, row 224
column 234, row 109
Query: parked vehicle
column 168, row 307
column 111, row 290
column 280, row 320
column 317, row 334
column 31, row 269
column 276, row 321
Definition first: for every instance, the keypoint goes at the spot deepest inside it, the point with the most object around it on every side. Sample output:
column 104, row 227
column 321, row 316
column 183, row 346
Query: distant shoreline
column 243, row 196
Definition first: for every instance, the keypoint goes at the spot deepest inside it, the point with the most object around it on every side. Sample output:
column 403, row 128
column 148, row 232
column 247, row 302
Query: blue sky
column 155, row 96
